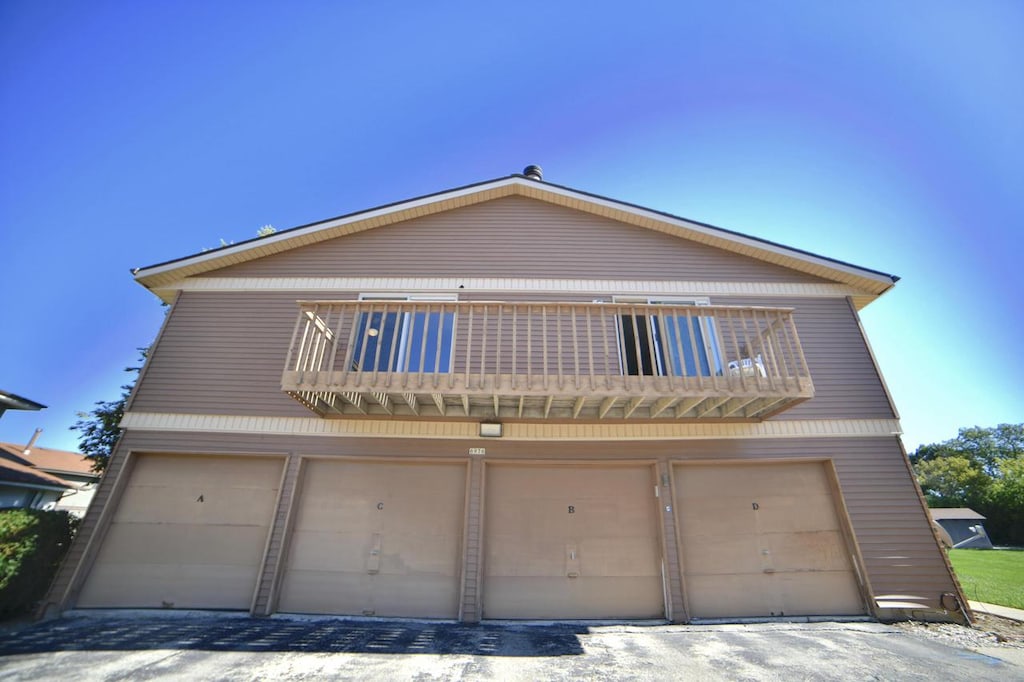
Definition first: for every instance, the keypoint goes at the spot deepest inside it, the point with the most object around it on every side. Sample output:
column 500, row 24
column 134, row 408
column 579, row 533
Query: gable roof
column 161, row 276
column 48, row 459
column 13, row 473
column 944, row 513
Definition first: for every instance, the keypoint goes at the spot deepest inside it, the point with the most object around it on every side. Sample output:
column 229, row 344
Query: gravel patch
column 987, row 631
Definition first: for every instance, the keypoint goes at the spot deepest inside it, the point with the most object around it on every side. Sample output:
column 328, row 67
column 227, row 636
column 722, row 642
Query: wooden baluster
column 440, row 342
column 607, row 351
column 515, row 346
column 575, row 346
column 336, row 331
column 691, row 337
column 483, row 347
column 737, row 352
column 499, row 345
column 529, row 347
column 545, row 341
column 589, row 310
column 796, row 354
column 469, row 346
column 640, row 383
column 559, row 346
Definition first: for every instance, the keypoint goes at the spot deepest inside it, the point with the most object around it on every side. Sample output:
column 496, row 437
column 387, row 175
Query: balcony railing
column 545, row 360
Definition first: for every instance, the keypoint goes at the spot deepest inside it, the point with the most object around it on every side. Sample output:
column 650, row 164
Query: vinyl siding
column 890, row 525
column 514, row 237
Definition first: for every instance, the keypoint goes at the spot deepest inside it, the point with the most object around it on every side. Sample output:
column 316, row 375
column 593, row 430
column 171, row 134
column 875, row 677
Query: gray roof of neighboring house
column 943, row 513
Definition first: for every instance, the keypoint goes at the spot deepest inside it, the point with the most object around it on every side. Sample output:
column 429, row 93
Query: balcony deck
column 554, row 361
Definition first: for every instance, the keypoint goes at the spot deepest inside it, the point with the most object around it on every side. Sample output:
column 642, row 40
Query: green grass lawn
column 995, row 576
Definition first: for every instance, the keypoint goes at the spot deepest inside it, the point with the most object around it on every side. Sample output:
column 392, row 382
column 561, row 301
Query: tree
column 953, row 482
column 99, row 430
column 982, row 468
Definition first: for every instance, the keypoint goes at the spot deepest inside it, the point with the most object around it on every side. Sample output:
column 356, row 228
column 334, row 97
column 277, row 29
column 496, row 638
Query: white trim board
column 610, row 287
column 397, row 428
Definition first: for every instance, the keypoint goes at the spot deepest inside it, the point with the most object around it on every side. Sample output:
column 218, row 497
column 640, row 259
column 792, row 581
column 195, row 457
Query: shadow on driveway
column 298, row 636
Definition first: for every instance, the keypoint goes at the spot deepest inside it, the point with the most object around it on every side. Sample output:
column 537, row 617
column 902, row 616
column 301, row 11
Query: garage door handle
column 572, row 561
column 373, row 561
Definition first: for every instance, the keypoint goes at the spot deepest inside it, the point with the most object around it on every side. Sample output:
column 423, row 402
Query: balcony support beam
column 578, row 407
column 606, row 405
column 661, row 405
column 633, row 405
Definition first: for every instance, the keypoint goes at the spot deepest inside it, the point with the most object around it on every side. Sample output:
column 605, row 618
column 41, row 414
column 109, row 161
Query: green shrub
column 32, row 544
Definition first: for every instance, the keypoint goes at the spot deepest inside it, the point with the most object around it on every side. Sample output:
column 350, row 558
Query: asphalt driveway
column 142, row 646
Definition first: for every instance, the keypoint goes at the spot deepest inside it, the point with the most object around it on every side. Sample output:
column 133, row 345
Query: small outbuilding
column 965, row 526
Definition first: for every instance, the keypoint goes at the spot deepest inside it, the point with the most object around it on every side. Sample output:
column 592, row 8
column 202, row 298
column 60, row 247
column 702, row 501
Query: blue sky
column 884, row 134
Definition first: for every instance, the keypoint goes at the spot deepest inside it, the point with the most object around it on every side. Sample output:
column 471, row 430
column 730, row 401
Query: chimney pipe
column 533, row 172
column 28, row 448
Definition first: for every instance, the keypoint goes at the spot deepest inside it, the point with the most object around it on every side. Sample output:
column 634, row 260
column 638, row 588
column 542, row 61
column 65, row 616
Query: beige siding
column 223, row 353
column 515, row 237
column 891, row 527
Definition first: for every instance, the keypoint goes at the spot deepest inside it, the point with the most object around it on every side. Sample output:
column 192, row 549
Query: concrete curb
column 996, row 610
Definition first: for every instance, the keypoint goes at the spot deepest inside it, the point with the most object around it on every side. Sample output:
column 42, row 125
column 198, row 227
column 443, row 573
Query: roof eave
column 158, row 277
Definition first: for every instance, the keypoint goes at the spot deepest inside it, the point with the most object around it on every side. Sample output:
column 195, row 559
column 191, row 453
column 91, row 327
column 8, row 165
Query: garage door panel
column 714, row 554
column 207, row 586
column 798, row 512
column 731, row 596
column 584, row 598
column 186, row 533
column 763, row 539
column 819, row 593
column 211, row 503
column 571, row 542
column 719, row 516
column 620, row 556
column 176, row 543
column 377, row 537
column 182, row 471
column 808, row 551
column 711, row 480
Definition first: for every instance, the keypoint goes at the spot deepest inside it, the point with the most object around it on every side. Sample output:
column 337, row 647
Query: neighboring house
column 511, row 400
column 25, row 487
column 966, row 527
column 70, row 469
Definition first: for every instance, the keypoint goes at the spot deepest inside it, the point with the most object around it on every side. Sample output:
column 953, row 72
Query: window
column 413, row 341
column 663, row 344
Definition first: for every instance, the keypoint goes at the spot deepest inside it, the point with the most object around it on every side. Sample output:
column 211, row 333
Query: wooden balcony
column 562, row 361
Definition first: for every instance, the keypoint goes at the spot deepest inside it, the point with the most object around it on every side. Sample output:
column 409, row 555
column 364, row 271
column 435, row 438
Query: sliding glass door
column 663, row 344
column 419, row 341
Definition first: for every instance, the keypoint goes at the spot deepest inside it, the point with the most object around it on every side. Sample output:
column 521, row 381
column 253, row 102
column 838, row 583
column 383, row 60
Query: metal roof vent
column 534, row 172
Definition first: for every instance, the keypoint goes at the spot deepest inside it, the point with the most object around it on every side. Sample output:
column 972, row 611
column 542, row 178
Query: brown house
column 511, row 400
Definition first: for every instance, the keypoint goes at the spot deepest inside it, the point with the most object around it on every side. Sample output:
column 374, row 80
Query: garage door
column 763, row 540
column 572, row 542
column 189, row 532
column 374, row 538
